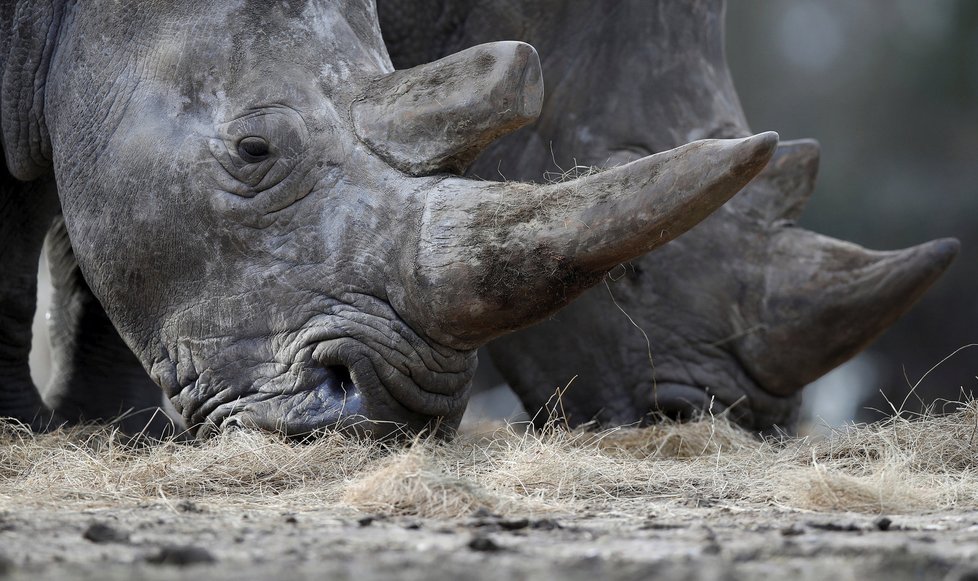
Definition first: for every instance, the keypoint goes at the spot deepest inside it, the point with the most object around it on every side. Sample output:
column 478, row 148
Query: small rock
column 883, row 523
column 486, row 523
column 291, row 519
column 190, row 506
column 751, row 555
column 661, row 526
column 793, row 531
column 366, row 521
column 181, row 556
column 836, row 527
column 712, row 548
column 481, row 543
column 514, row 524
column 545, row 524
column 102, row 533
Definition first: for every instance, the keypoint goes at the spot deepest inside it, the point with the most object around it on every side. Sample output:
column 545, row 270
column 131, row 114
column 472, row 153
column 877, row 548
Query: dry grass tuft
column 93, row 467
column 898, row 466
column 412, row 483
column 676, row 440
column 886, row 492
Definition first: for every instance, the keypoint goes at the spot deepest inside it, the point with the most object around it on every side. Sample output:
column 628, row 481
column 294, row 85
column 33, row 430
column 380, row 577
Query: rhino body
column 248, row 207
column 738, row 314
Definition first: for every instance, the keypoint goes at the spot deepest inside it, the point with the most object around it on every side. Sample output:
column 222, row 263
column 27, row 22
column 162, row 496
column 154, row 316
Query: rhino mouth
column 685, row 402
column 748, row 406
column 327, row 396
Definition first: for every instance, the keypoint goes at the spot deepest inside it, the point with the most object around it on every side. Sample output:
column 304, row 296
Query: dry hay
column 898, row 466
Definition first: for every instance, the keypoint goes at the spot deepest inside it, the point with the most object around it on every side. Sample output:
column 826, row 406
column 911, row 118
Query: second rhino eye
column 253, row 149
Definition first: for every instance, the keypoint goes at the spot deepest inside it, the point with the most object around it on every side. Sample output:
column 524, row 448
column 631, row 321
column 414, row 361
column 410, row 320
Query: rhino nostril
column 232, row 423
column 338, row 383
column 680, row 410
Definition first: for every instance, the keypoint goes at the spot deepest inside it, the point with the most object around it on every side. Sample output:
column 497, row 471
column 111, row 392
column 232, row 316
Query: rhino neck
column 28, row 33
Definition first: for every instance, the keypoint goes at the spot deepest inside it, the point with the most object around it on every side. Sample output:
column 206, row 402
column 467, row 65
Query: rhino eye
column 253, row 149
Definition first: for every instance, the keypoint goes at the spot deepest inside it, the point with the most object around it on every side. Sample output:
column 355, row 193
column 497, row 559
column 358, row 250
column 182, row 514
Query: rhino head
column 267, row 212
column 738, row 314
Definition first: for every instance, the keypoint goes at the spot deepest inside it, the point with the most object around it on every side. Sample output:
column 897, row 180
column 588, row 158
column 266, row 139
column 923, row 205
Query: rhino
column 737, row 315
column 247, row 207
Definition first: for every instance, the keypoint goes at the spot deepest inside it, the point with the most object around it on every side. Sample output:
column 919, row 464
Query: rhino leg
column 26, row 210
column 96, row 376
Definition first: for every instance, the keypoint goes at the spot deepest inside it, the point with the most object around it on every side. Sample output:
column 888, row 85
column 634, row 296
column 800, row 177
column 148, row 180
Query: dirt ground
column 162, row 541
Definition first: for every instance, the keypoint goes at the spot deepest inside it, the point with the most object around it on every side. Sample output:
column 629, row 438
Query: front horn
column 494, row 257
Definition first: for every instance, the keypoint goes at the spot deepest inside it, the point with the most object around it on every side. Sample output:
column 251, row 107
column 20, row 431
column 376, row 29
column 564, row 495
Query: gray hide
column 741, row 312
column 256, row 205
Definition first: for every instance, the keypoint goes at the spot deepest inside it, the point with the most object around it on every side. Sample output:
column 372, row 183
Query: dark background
column 890, row 89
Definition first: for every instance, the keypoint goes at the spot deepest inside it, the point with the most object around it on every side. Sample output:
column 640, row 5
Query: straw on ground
column 897, row 466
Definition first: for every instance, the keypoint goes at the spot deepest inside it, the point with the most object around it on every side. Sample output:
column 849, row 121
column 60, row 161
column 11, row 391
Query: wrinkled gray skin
column 257, row 206
column 741, row 312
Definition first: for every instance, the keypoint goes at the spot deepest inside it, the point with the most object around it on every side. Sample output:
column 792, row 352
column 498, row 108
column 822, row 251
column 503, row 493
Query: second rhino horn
column 828, row 300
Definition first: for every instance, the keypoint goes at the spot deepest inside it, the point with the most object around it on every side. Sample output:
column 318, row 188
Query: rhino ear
column 826, row 300
column 26, row 143
column 780, row 192
column 438, row 117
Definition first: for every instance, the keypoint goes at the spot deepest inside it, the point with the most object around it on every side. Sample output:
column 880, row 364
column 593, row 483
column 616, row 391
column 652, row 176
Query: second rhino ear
column 437, row 117
column 780, row 192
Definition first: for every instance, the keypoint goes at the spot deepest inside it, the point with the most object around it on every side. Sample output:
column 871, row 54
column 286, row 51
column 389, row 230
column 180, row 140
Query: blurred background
column 890, row 89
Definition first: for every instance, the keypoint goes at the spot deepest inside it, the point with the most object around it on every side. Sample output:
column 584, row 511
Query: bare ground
column 699, row 501
column 151, row 542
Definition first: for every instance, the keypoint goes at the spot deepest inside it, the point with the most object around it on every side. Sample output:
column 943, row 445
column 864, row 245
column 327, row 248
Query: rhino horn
column 437, row 117
column 781, row 191
column 828, row 299
column 494, row 257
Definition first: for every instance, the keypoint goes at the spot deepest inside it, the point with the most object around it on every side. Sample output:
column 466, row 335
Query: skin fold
column 249, row 199
column 738, row 314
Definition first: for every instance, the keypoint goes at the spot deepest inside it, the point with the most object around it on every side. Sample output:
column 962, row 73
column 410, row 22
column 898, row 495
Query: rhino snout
column 356, row 367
